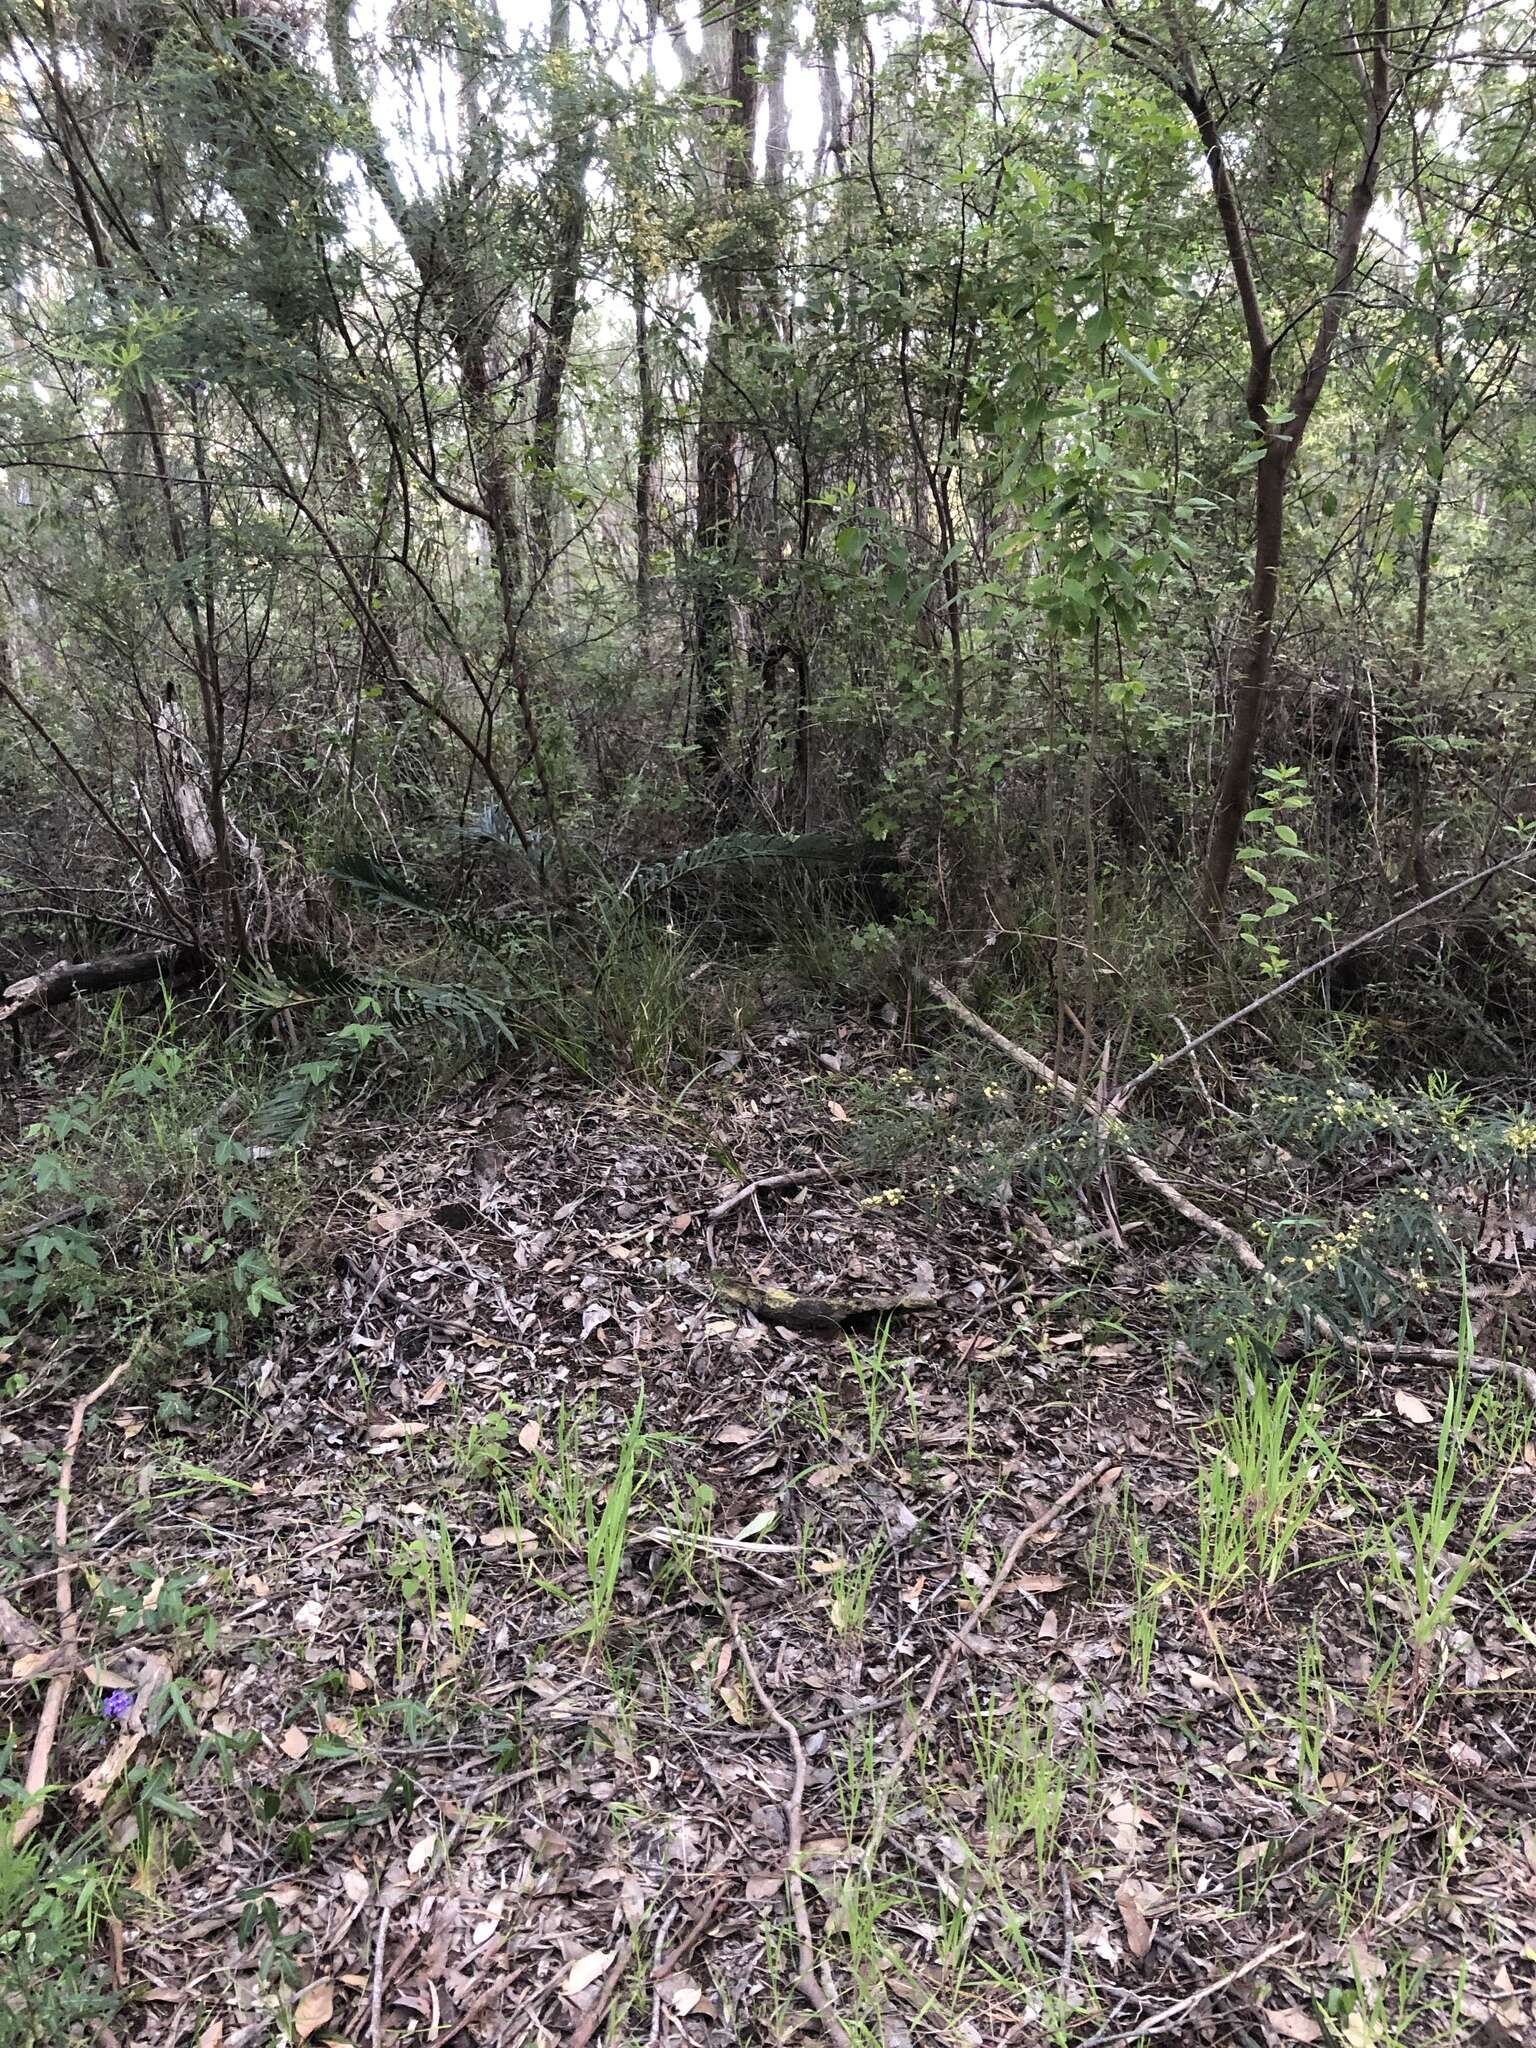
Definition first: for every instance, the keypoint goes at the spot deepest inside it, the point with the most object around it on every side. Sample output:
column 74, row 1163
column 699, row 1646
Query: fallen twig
column 376, row 1999
column 808, row 1984
column 64, row 1596
column 1174, row 2015
column 1109, row 1123
column 797, row 1177
column 1000, row 1578
column 675, row 1957
column 957, row 1643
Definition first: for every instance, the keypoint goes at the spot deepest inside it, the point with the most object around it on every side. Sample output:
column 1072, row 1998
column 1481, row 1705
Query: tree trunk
column 647, row 447
column 568, row 189
column 1369, row 58
column 717, row 485
column 1255, row 673
column 717, row 459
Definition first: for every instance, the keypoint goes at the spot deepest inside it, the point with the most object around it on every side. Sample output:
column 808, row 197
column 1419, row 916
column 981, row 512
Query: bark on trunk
column 647, row 447
column 68, row 978
column 1369, row 59
column 572, row 153
column 717, row 467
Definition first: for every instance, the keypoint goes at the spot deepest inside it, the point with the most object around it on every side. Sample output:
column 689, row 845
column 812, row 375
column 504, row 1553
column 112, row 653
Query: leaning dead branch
column 1110, row 1125
column 1319, row 966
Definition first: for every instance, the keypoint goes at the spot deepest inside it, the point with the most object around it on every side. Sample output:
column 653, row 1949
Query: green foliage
column 53, row 1912
column 1272, row 1459
column 169, row 1230
column 1271, row 841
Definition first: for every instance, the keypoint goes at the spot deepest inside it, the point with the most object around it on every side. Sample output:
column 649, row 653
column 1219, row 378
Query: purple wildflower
column 117, row 1706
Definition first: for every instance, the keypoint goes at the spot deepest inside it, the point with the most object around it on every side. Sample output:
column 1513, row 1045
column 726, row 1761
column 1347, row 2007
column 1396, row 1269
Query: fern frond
column 744, row 849
column 370, row 878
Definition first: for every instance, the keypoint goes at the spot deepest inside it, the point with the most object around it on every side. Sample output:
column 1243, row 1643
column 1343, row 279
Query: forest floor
column 562, row 1652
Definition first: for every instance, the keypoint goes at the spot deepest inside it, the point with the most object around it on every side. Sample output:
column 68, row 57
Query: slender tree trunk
column 647, row 447
column 439, row 248
column 717, row 479
column 1418, row 802
column 1255, row 674
column 1369, row 59
column 568, row 190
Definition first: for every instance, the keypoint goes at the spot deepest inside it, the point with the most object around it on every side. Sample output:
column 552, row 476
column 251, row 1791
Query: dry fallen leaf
column 734, row 1701
column 528, row 1436
column 212, row 2035
column 313, row 2011
column 295, row 1743
column 1292, row 2024
column 681, row 1993
column 1412, row 1409
column 421, row 1855
column 586, row 1970
column 32, row 1663
column 1138, row 1928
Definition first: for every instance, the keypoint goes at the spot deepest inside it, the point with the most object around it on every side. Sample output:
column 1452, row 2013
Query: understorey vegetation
column 767, row 1128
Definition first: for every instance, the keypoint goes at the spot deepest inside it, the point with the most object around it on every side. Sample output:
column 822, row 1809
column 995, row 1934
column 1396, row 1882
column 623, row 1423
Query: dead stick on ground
column 1175, row 2015
column 748, row 1189
column 64, row 1596
column 376, row 2001
column 807, row 1983
column 1000, row 1578
column 1110, row 1124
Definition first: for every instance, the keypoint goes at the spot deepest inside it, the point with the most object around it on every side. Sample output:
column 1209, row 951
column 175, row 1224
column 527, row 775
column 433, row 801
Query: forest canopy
column 1085, row 454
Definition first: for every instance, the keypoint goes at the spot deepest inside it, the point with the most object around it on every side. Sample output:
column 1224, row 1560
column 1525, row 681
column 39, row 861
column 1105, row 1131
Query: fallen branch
column 376, row 1994
column 1109, row 1124
column 67, row 978
column 1106, row 1121
column 808, row 1984
column 799, row 1177
column 64, row 1598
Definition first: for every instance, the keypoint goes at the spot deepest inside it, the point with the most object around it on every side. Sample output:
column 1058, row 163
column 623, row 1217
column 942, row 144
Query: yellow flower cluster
column 1330, row 1251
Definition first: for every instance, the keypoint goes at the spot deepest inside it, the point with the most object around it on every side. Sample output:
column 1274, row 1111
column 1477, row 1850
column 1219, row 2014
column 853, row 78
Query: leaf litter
column 570, row 1651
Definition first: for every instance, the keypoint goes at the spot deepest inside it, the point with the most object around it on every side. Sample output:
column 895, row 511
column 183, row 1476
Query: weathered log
column 69, row 978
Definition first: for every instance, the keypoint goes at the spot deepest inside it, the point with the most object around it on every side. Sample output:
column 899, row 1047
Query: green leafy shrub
column 128, row 1203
